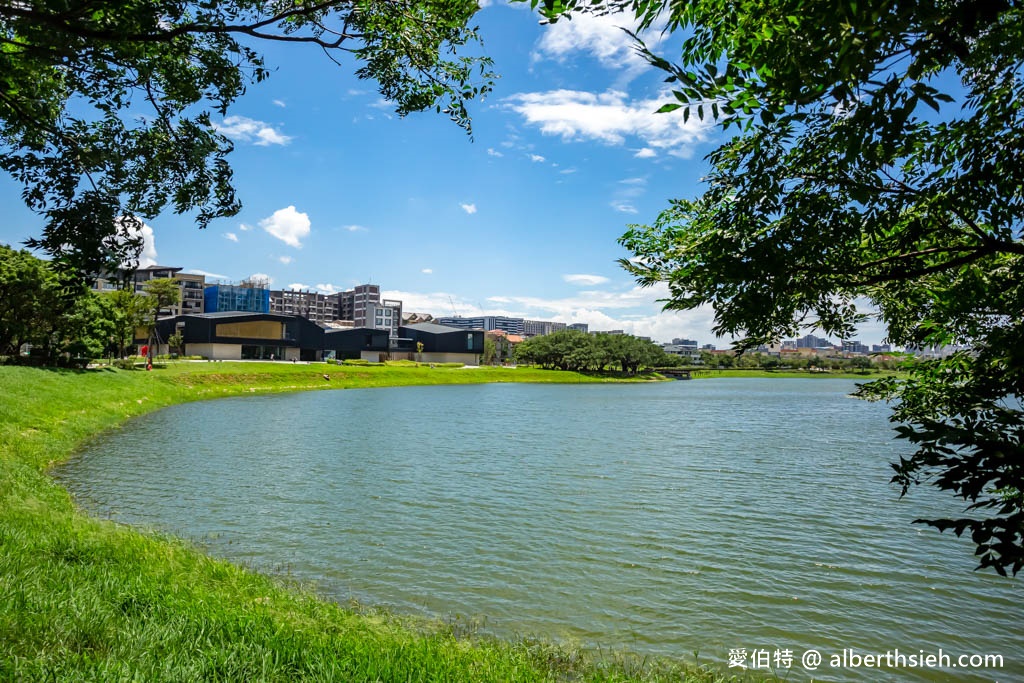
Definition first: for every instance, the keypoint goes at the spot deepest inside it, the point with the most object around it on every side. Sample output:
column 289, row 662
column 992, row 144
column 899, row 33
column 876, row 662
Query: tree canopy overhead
column 105, row 107
column 878, row 155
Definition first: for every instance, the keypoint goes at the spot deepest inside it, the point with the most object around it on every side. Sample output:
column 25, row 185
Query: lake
column 666, row 518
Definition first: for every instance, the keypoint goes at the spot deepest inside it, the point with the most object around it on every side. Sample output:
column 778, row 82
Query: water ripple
column 665, row 518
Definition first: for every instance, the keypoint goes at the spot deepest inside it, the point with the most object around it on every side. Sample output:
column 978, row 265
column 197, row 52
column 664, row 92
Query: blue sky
column 337, row 190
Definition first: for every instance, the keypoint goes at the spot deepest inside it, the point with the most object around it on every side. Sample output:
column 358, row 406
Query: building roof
column 240, row 314
column 148, row 268
column 253, row 287
column 433, row 328
column 512, row 338
column 343, row 330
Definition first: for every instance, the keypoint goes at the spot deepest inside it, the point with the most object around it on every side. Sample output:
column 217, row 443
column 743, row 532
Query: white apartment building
column 386, row 315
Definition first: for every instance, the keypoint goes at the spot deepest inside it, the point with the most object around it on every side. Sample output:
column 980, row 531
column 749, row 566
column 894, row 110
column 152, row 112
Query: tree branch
column 57, row 21
column 937, row 268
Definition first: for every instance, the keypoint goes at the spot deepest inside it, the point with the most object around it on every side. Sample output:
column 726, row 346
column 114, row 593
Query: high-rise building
column 535, row 328
column 385, row 315
column 320, row 308
column 812, row 342
column 352, row 303
column 192, row 293
column 361, row 306
column 191, row 284
column 580, row 327
column 486, row 323
column 250, row 297
column 854, row 346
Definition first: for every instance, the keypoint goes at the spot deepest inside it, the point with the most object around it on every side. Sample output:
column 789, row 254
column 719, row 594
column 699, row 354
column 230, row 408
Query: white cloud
column 244, row 129
column 602, row 37
column 635, row 310
column 285, row 259
column 356, row 228
column 583, row 279
column 626, row 191
column 645, row 153
column 440, row 304
column 261, row 277
column 320, row 288
column 208, row 275
column 611, row 118
column 244, row 226
column 469, row 208
column 280, row 103
column 567, row 171
column 536, row 158
column 269, row 136
column 231, row 236
column 148, row 256
column 493, row 152
column 126, row 230
column 288, row 225
column 428, row 271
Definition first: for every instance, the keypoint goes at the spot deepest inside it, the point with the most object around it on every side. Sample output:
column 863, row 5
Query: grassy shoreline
column 88, row 599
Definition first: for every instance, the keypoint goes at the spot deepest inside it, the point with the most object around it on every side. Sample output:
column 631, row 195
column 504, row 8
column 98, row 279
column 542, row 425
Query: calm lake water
column 665, row 518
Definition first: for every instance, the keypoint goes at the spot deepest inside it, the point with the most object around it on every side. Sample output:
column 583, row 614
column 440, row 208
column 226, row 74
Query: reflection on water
column 710, row 515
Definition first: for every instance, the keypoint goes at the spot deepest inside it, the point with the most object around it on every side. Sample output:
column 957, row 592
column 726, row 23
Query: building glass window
column 262, row 352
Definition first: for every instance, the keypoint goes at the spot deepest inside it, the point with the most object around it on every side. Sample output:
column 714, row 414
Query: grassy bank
column 87, row 599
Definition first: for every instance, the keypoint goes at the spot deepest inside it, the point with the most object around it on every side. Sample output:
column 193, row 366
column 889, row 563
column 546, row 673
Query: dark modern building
column 238, row 335
column 359, row 342
column 235, row 335
column 441, row 344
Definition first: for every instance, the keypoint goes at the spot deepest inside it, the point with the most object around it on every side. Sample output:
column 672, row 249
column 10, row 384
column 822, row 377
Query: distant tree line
column 764, row 361
column 579, row 351
column 63, row 320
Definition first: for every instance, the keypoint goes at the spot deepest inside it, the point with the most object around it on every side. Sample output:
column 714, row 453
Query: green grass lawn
column 91, row 600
